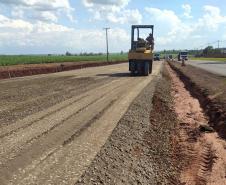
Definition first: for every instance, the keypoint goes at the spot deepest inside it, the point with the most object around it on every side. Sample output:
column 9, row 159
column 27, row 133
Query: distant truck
column 183, row 56
column 157, row 57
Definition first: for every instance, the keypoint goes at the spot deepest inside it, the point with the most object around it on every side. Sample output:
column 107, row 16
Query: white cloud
column 169, row 28
column 17, row 12
column 126, row 16
column 120, row 36
column 34, row 26
column 187, row 10
column 42, row 37
column 224, row 37
column 7, row 24
column 118, row 3
column 166, row 16
column 46, row 16
column 212, row 18
column 44, row 10
column 42, row 5
column 174, row 31
column 113, row 11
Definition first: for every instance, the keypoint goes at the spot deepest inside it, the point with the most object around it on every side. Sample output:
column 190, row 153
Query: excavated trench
column 200, row 148
column 214, row 108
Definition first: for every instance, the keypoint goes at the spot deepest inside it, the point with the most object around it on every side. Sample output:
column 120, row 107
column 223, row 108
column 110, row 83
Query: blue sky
column 57, row 26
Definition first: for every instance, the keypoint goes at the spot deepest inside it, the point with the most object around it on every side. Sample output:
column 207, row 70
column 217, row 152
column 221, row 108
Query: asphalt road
column 52, row 126
column 215, row 67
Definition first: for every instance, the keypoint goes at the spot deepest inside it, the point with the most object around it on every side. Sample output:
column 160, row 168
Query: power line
column 106, row 29
column 211, row 43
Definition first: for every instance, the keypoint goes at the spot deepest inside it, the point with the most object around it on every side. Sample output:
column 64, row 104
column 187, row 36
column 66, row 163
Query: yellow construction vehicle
column 141, row 53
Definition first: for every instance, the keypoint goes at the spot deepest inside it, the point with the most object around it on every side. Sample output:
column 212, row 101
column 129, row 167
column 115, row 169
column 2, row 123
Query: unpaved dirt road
column 52, row 126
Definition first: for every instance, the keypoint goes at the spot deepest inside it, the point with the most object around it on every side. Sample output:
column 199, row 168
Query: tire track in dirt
column 55, row 140
column 43, row 126
column 71, row 138
column 7, row 130
column 42, row 117
column 108, row 89
column 73, row 115
column 198, row 156
column 35, row 101
column 206, row 163
column 88, row 123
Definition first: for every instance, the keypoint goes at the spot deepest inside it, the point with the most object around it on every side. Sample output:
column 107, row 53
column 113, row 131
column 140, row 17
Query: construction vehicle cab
column 183, row 56
column 141, row 53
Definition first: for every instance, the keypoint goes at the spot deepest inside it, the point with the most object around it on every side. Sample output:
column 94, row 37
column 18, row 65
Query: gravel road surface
column 141, row 149
column 211, row 66
column 52, row 126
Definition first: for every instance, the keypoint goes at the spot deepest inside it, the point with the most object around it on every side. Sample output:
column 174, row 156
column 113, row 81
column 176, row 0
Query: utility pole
column 218, row 42
column 106, row 29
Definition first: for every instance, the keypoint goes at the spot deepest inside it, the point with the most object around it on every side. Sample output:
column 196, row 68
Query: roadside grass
column 210, row 59
column 7, row 60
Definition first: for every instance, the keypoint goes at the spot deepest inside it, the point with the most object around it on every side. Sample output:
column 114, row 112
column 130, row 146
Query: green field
column 211, row 59
column 6, row 60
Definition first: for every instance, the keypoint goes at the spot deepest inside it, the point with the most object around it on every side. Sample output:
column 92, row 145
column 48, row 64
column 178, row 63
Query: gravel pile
column 140, row 149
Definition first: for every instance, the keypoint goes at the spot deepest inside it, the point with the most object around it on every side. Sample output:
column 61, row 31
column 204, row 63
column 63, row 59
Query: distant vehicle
column 171, row 57
column 183, row 56
column 157, row 56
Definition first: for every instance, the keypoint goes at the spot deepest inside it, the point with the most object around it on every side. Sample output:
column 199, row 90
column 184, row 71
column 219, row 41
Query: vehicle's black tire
column 150, row 67
column 146, row 68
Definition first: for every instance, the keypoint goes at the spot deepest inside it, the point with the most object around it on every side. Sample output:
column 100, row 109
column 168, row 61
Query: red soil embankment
column 35, row 69
column 210, row 90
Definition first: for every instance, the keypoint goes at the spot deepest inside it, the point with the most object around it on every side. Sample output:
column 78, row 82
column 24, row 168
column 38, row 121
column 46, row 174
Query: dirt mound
column 35, row 69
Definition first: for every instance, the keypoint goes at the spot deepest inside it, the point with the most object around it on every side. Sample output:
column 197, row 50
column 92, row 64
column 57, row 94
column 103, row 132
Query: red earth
column 35, row 69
